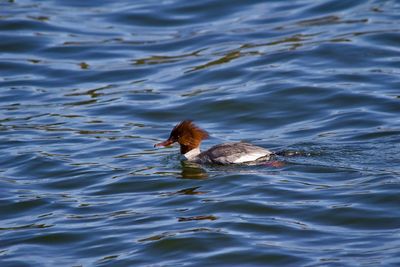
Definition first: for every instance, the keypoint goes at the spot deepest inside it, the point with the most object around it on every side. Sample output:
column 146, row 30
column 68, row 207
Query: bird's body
column 189, row 136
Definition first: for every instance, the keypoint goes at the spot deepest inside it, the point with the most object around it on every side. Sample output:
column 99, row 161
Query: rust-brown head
column 187, row 134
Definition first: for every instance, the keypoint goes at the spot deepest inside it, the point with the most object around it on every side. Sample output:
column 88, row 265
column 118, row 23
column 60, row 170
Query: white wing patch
column 250, row 157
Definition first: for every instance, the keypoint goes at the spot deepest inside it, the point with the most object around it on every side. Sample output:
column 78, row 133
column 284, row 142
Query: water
column 87, row 88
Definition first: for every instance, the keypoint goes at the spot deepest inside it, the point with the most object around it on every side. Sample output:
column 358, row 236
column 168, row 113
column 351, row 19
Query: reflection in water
column 186, row 191
column 23, row 227
column 166, row 59
column 84, row 65
column 88, row 86
column 174, row 233
column 191, row 170
column 197, row 218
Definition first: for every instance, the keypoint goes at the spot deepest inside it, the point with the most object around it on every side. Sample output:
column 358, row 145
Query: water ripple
column 87, row 89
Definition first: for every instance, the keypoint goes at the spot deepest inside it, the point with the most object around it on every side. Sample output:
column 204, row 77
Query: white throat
column 192, row 154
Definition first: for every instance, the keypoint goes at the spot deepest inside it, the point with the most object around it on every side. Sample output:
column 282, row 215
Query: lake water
column 88, row 87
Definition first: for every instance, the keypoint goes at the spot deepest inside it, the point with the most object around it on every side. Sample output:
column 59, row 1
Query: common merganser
column 189, row 137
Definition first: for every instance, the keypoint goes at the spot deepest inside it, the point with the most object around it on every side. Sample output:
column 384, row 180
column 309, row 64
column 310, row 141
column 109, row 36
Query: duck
column 189, row 136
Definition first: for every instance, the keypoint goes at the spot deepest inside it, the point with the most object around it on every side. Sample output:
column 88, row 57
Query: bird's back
column 237, row 152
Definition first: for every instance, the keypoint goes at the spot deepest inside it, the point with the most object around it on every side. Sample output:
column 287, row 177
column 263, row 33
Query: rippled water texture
column 87, row 88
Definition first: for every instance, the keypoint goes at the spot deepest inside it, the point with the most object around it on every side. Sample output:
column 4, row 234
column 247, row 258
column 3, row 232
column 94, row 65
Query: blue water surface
column 88, row 87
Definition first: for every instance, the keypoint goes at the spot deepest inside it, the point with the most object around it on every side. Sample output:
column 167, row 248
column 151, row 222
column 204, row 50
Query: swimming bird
column 189, row 136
